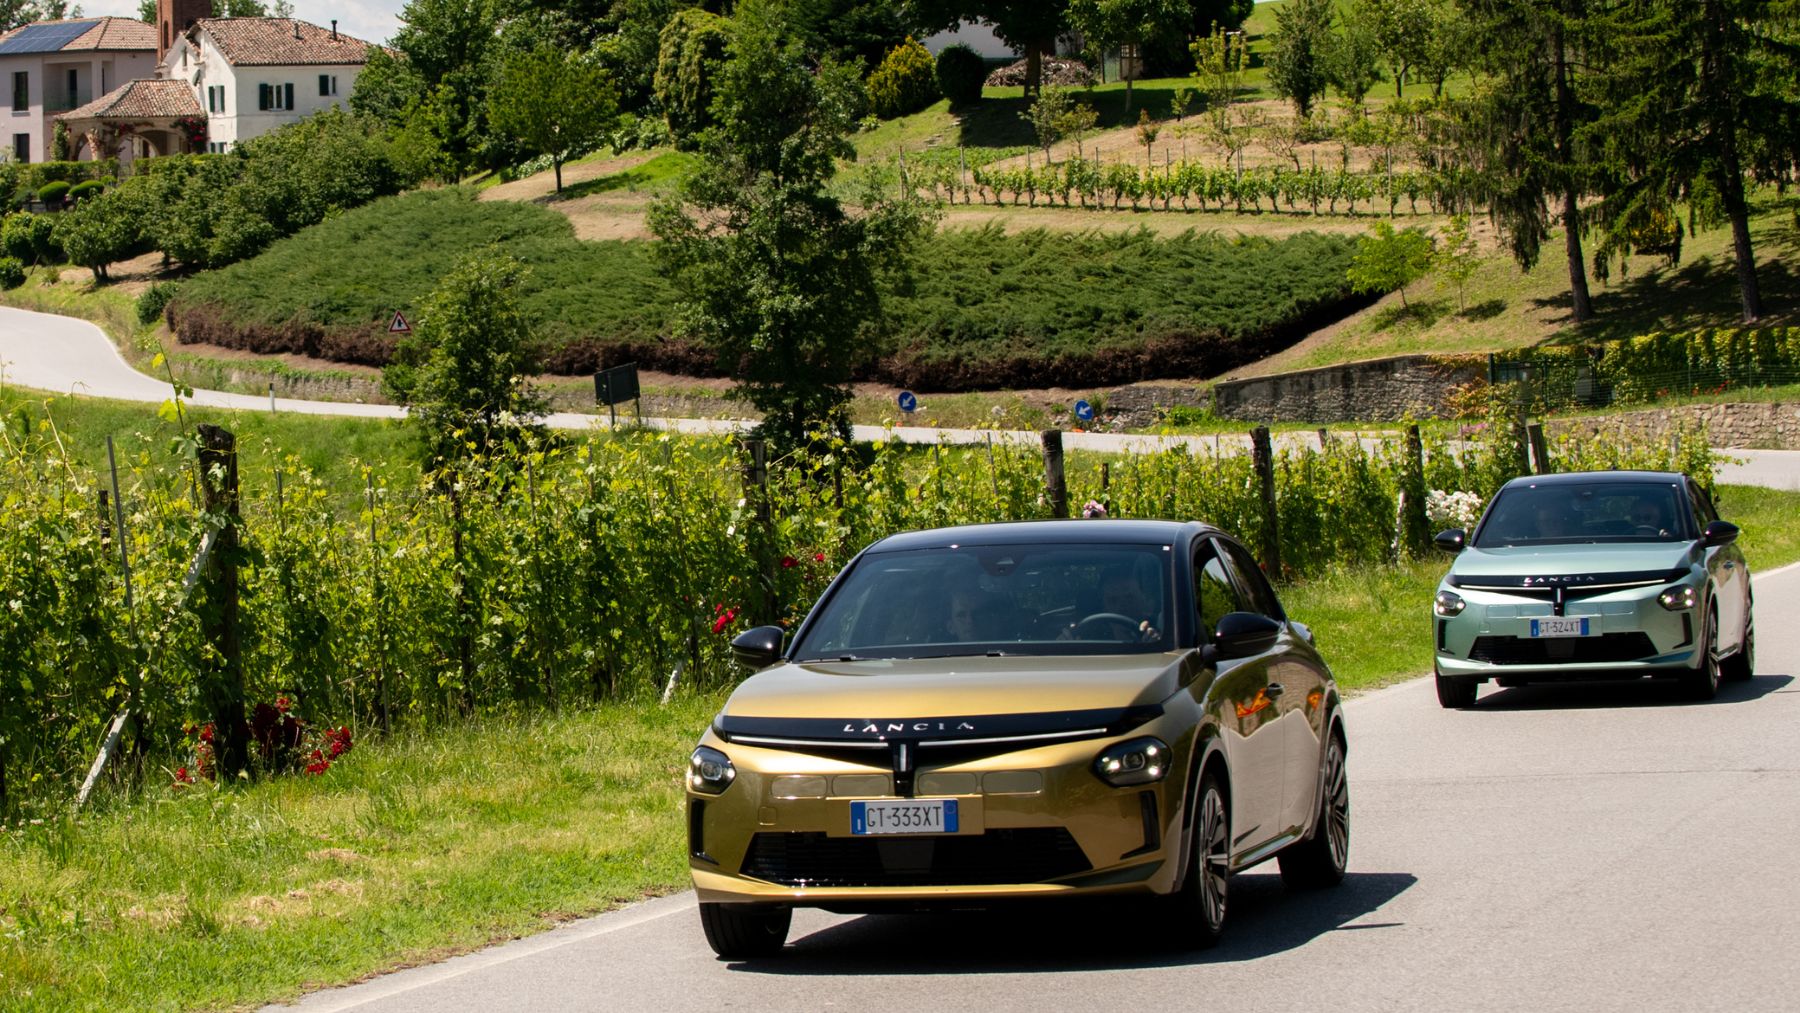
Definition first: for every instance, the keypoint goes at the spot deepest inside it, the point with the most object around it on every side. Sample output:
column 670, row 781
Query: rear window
column 1567, row 513
column 997, row 599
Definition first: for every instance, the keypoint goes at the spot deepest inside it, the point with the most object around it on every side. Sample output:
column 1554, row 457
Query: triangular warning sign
column 399, row 325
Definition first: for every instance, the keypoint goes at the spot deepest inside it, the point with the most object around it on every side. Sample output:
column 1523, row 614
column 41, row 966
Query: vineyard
column 581, row 568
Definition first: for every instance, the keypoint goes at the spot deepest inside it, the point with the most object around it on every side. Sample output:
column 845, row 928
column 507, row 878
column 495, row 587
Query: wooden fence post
column 1540, row 452
column 1262, row 455
column 219, row 616
column 1415, row 534
column 1056, row 489
column 756, row 492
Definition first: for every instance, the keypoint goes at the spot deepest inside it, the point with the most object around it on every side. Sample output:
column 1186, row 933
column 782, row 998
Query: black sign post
column 619, row 383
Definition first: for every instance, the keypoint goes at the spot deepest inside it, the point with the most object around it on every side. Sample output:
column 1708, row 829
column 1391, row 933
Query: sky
column 368, row 20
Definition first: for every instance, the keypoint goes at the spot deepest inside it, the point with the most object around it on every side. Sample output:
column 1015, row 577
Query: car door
column 1297, row 686
column 1247, row 713
column 1730, row 575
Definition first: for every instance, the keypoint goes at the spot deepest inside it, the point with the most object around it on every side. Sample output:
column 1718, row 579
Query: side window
column 1250, row 577
column 1214, row 594
column 1703, row 506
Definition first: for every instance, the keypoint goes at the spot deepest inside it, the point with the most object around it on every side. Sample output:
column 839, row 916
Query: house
column 51, row 67
column 218, row 82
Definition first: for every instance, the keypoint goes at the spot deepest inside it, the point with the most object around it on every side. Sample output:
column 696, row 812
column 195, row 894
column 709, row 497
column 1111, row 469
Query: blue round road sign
column 1084, row 411
column 908, row 401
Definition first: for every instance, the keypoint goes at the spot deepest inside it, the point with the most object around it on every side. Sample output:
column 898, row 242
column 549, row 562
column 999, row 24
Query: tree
column 1147, row 132
column 1458, row 255
column 1403, row 28
column 551, row 101
column 1028, row 25
column 1220, row 60
column 688, row 59
column 463, row 373
column 1696, row 96
column 1445, row 46
column 1526, row 121
column 1353, row 60
column 1109, row 24
column 1387, row 260
column 100, row 231
column 446, row 44
column 782, row 282
column 1298, row 51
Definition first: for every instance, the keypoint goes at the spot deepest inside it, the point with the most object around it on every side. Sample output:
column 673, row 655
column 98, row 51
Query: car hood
column 955, row 687
column 1586, row 558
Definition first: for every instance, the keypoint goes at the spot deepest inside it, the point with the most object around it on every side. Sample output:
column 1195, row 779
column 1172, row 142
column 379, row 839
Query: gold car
column 1041, row 709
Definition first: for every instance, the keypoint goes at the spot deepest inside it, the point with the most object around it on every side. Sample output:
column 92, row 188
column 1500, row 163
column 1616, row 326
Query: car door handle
column 1273, row 690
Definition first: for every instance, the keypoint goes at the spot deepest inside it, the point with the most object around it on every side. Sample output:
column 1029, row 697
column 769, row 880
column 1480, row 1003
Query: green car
column 1594, row 575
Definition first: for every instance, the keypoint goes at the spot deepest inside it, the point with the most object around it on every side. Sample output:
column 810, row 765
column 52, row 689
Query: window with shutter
column 264, row 96
column 290, row 96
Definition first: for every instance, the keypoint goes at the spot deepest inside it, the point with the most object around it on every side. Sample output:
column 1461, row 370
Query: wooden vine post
column 219, row 613
column 1540, row 451
column 1415, row 524
column 756, row 493
column 1262, row 455
column 1056, row 488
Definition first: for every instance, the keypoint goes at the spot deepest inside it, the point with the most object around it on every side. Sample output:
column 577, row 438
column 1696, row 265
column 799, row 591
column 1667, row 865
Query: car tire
column 1320, row 860
column 1742, row 665
column 1456, row 694
column 1702, row 683
column 745, row 931
column 1198, row 909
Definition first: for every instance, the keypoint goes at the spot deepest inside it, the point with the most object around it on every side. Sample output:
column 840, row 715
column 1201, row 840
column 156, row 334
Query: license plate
column 1563, row 626
column 904, row 816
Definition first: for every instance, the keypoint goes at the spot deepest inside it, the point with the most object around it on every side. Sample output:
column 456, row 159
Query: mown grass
column 405, row 850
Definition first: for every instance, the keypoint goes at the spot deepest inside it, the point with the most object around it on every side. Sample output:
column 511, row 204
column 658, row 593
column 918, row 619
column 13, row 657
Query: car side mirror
column 1451, row 541
column 757, row 647
column 1242, row 634
column 1720, row 533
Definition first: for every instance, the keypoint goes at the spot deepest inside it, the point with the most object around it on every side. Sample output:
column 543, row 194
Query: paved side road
column 62, row 354
column 1602, row 847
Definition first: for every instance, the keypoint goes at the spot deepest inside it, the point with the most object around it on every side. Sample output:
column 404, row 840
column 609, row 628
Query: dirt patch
column 543, row 184
column 128, row 277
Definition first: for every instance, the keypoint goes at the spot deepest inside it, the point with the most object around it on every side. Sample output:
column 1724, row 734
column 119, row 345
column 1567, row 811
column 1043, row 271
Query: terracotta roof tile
column 142, row 99
column 117, row 34
column 272, row 42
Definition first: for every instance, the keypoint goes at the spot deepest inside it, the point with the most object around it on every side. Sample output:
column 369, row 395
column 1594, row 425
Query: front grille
column 998, row 857
column 1603, row 649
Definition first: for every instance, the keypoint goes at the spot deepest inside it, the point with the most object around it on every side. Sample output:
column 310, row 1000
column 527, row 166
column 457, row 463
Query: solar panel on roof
column 46, row 38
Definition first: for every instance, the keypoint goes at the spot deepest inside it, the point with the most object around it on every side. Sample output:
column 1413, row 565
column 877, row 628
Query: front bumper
column 1032, row 823
column 1632, row 635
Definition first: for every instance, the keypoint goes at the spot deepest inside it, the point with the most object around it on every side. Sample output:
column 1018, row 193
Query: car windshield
column 1563, row 513
column 997, row 599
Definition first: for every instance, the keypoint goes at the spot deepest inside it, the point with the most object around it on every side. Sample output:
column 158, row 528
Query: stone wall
column 1376, row 391
column 1744, row 425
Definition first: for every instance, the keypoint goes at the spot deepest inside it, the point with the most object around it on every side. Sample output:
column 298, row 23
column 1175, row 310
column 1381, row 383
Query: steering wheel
column 1648, row 531
column 1124, row 628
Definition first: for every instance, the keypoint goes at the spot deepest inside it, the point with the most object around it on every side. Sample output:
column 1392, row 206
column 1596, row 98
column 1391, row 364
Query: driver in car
column 1122, row 594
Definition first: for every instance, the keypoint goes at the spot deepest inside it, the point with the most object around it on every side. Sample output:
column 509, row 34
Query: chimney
column 334, row 37
column 296, row 29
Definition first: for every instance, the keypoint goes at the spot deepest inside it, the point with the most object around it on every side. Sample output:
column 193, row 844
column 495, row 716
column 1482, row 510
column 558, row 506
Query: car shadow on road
column 1266, row 918
column 1635, row 693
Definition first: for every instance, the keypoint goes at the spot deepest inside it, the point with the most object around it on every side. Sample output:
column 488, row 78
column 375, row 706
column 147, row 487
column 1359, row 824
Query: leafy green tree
column 550, row 101
column 628, row 36
column 1457, row 256
column 1403, row 28
column 1210, row 16
column 1353, row 60
column 1299, row 50
column 961, row 73
column 446, row 45
column 1445, row 47
column 904, row 83
column 1220, row 62
column 464, row 371
column 783, row 283
column 1058, row 113
column 100, row 231
column 1387, row 260
column 687, row 62
column 1694, row 98
column 1526, row 121
column 1109, row 24
column 849, row 31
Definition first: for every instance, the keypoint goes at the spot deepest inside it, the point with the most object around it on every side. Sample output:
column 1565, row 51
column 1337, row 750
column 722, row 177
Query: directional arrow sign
column 399, row 325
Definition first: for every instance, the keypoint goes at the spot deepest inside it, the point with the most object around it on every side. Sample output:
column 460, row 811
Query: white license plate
column 903, row 816
column 1564, row 626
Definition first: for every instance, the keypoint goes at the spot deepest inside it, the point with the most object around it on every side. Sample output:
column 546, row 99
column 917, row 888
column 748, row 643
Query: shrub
column 29, row 238
column 100, row 231
column 82, row 191
column 150, row 304
column 12, row 273
column 689, row 53
column 53, row 193
column 906, row 81
column 960, row 74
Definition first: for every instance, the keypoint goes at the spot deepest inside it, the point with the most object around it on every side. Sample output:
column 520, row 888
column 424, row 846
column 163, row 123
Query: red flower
column 724, row 620
column 818, row 557
column 206, row 732
column 182, row 776
column 283, row 704
column 318, row 766
column 789, row 562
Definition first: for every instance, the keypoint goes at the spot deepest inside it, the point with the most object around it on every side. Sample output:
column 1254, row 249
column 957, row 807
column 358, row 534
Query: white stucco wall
column 96, row 73
column 242, row 119
column 977, row 35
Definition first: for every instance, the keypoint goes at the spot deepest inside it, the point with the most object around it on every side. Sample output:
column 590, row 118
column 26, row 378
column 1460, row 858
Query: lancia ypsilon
column 1035, row 710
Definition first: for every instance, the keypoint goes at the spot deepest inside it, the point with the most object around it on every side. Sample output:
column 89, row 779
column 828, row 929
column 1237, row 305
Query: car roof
column 1593, row 477
column 1090, row 532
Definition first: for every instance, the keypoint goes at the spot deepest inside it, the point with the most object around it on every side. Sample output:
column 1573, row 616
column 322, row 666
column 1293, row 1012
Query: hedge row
column 987, row 309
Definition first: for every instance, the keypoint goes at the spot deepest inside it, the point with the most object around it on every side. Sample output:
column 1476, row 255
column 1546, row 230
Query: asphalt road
column 1603, row 847
column 47, row 352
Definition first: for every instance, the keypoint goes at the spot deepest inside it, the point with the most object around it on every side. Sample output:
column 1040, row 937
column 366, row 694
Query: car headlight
column 1139, row 761
column 1447, row 603
column 1677, row 599
column 709, row 771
